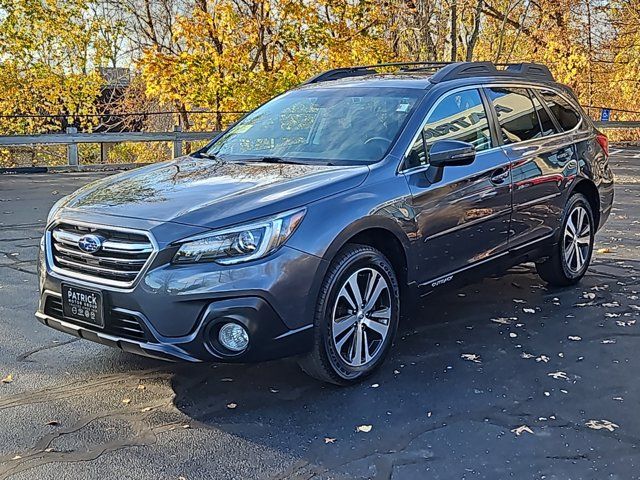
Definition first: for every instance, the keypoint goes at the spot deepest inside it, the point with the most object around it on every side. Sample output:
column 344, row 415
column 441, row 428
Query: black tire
column 325, row 361
column 560, row 269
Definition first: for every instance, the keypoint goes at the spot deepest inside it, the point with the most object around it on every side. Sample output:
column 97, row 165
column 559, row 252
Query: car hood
column 212, row 193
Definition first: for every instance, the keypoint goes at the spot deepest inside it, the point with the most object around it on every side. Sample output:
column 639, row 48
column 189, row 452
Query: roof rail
column 338, row 73
column 442, row 71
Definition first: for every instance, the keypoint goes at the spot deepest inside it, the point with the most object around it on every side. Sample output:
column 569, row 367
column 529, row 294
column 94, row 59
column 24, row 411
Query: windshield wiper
column 280, row 160
column 210, row 156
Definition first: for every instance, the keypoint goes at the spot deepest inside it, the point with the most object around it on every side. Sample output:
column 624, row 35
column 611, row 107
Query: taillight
column 604, row 143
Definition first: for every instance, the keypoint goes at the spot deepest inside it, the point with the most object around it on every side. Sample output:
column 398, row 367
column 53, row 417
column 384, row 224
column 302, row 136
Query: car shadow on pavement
column 468, row 368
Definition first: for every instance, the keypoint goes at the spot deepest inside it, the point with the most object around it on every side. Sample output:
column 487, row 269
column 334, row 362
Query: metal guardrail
column 618, row 125
column 72, row 138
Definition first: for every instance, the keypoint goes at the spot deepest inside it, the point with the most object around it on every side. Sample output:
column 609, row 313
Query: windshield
column 354, row 125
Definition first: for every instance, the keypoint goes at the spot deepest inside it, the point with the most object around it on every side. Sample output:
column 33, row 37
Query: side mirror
column 445, row 153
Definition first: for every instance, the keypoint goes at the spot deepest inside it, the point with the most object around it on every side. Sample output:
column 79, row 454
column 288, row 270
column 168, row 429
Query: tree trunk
column 454, row 31
column 473, row 39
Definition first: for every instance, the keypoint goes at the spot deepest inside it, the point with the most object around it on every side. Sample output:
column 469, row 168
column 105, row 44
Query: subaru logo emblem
column 90, row 243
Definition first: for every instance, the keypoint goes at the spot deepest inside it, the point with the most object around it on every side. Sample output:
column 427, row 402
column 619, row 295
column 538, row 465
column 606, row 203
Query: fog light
column 234, row 337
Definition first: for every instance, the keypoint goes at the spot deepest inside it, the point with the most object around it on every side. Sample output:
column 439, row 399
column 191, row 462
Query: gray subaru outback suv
column 305, row 228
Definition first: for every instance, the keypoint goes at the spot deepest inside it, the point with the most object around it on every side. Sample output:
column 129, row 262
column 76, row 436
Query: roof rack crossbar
column 442, row 71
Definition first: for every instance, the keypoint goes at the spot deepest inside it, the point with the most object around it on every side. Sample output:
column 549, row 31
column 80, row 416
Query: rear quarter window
column 565, row 113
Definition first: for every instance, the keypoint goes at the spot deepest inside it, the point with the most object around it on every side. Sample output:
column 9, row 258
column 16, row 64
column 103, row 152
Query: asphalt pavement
column 505, row 378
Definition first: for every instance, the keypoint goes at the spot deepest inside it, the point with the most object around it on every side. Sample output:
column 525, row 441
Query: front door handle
column 499, row 176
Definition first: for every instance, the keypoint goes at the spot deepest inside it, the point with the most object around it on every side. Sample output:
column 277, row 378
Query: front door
column 462, row 212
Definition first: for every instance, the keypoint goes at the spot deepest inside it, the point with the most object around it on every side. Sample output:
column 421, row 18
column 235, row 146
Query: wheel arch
column 384, row 235
column 589, row 189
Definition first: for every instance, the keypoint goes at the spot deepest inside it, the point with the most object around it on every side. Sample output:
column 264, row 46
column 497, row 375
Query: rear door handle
column 500, row 175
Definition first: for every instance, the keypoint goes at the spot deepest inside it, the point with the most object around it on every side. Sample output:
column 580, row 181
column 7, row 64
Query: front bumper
column 174, row 312
column 269, row 338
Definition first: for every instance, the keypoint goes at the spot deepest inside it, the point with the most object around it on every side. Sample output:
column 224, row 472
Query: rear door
column 462, row 212
column 543, row 161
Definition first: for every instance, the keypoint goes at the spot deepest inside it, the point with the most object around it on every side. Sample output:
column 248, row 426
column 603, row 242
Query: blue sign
column 605, row 115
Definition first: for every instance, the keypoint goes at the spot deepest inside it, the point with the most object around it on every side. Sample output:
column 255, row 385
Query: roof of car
column 397, row 80
column 422, row 75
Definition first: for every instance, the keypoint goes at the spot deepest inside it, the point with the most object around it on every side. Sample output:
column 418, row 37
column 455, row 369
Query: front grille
column 116, row 323
column 122, row 256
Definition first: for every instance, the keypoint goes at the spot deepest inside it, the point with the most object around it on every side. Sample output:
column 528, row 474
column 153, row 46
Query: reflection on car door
column 542, row 165
column 463, row 214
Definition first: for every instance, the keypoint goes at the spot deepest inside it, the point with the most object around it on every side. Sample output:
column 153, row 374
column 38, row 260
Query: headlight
column 242, row 243
column 56, row 207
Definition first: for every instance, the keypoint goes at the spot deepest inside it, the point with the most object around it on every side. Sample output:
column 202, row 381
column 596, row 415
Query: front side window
column 516, row 114
column 457, row 116
column 352, row 125
column 566, row 115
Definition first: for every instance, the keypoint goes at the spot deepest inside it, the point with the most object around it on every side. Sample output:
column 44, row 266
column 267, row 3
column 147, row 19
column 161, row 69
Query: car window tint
column 566, row 115
column 516, row 115
column 459, row 116
column 548, row 127
column 417, row 155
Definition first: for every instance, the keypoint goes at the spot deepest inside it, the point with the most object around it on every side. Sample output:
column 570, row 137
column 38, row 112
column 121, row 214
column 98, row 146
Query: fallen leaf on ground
column 126, row 401
column 364, row 428
column 526, row 355
column 17, row 457
column 53, row 423
column 611, row 304
column 504, row 320
column 472, row 357
column 141, row 387
column 7, row 379
column 608, row 340
column 558, row 375
column 513, row 335
column 602, row 424
column 612, row 315
column 232, row 405
column 589, row 295
column 603, row 250
column 574, row 338
column 628, row 323
column 521, row 429
column 542, row 358
column 528, row 310
column 518, row 300
column 146, row 409
column 329, row 440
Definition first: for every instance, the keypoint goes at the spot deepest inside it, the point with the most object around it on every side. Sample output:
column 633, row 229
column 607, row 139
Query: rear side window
column 457, row 116
column 548, row 127
column 516, row 114
column 566, row 115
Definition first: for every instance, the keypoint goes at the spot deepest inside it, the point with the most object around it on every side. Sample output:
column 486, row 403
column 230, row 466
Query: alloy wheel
column 361, row 317
column 577, row 239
